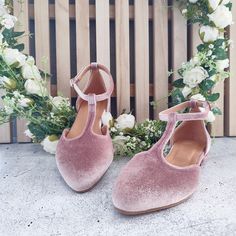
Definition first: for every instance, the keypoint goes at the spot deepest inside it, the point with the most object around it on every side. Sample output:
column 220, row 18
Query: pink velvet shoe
column 85, row 152
column 150, row 181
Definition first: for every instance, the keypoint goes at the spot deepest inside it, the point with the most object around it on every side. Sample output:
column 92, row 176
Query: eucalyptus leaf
column 213, row 97
column 178, row 83
column 206, row 84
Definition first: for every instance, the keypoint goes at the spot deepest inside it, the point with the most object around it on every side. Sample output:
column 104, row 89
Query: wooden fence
column 138, row 40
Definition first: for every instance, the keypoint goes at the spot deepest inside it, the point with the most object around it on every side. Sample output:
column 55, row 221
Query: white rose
column 199, row 97
column 35, row 87
column 25, row 102
column 29, row 134
column 221, row 17
column 125, row 121
column 8, row 21
column 50, row 144
column 29, row 70
column 1, row 39
column 193, row 1
column 194, row 76
column 7, row 82
column 106, row 118
column 222, row 64
column 213, row 4
column 209, row 34
column 210, row 117
column 186, row 91
column 14, row 57
column 58, row 101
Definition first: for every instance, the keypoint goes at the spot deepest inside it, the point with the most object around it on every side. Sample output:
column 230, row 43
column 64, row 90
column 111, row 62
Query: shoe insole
column 82, row 116
column 185, row 153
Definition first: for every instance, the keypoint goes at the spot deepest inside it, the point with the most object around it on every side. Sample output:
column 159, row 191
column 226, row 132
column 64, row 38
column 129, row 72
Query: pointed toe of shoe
column 145, row 185
column 82, row 167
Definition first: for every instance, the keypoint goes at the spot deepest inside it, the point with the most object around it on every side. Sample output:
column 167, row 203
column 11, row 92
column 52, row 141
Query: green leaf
column 177, row 96
column 219, row 42
column 17, row 34
column 178, row 83
column 213, row 97
column 206, row 84
column 20, row 47
column 229, row 5
column 216, row 111
column 37, row 131
column 200, row 47
column 220, row 54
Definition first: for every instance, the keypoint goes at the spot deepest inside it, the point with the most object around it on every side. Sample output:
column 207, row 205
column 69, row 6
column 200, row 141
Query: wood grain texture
column 122, row 56
column 22, row 12
column 230, row 95
column 160, row 32
column 179, row 40
column 141, row 60
column 92, row 11
column 63, row 47
column 195, row 38
column 42, row 41
column 82, row 36
column 103, row 32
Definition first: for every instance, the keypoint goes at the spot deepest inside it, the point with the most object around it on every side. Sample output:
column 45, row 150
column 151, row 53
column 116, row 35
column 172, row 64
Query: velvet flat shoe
column 151, row 181
column 85, row 152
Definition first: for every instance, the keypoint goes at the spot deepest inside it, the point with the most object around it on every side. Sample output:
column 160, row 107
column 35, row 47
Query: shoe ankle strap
column 173, row 112
column 81, row 75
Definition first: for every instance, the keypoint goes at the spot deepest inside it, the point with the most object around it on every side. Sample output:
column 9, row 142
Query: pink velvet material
column 83, row 161
column 83, row 158
column 149, row 182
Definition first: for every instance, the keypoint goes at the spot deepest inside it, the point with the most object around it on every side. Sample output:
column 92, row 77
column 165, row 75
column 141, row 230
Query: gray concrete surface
column 34, row 200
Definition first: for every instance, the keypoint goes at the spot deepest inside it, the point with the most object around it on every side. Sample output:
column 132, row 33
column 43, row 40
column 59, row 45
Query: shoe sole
column 132, row 213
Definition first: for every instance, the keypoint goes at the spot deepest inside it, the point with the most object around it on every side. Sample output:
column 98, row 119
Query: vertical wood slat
column 217, row 127
column 103, row 32
column 141, row 59
column 195, row 38
column 22, row 12
column 160, row 25
column 42, row 39
column 82, row 36
column 179, row 40
column 122, row 55
column 230, row 111
column 63, row 47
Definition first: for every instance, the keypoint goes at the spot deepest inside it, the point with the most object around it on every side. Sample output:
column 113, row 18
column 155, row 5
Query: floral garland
column 26, row 96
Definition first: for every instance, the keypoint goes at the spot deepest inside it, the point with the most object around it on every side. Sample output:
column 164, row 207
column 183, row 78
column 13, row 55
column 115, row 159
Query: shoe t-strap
column 200, row 115
column 81, row 75
column 172, row 116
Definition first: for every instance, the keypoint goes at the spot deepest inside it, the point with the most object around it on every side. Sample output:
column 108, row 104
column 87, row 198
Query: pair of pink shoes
column 149, row 181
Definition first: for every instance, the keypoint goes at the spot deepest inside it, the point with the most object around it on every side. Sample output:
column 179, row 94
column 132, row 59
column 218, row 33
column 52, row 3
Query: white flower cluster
column 194, row 71
column 6, row 19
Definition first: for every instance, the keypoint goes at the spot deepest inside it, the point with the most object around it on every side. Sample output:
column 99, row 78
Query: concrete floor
column 34, row 200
